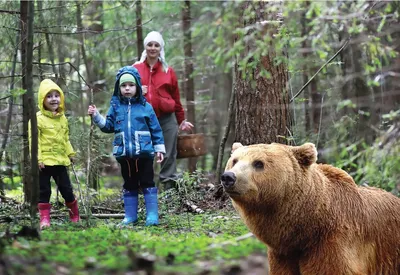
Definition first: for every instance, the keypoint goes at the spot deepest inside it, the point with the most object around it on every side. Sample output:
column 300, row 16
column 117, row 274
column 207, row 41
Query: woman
column 160, row 87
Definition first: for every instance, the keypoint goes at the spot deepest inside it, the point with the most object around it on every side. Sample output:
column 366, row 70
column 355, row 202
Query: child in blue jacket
column 138, row 139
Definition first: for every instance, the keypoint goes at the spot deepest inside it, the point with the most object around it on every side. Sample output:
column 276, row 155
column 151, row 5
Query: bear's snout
column 228, row 179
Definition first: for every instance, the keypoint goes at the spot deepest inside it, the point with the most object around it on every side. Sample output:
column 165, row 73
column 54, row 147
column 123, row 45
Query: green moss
column 178, row 244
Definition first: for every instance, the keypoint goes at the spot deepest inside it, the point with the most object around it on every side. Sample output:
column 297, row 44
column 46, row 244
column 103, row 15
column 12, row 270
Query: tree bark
column 188, row 83
column 305, row 75
column 9, row 114
column 48, row 42
column 61, row 81
column 261, row 105
column 32, row 111
column 139, row 29
column 231, row 113
column 31, row 174
column 25, row 112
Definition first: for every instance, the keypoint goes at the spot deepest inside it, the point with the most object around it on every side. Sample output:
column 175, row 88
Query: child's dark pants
column 60, row 176
column 137, row 173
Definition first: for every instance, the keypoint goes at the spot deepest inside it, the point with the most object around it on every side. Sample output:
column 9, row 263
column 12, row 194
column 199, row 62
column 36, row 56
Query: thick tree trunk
column 32, row 111
column 31, row 174
column 262, row 112
column 27, row 179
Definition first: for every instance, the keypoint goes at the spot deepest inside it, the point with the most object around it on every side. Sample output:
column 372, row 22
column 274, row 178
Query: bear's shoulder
column 335, row 175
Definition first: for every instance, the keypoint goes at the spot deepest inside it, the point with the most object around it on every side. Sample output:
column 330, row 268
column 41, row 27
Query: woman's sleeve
column 179, row 112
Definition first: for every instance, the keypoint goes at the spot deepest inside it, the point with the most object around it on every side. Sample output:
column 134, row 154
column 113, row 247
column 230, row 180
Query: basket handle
column 190, row 131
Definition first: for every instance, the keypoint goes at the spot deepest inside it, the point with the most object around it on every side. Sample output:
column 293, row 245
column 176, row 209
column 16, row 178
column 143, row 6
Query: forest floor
column 199, row 233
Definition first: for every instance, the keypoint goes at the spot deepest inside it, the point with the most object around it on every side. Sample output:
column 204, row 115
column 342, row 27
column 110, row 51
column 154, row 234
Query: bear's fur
column 313, row 218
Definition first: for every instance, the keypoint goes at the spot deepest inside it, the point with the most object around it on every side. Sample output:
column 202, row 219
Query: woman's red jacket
column 162, row 90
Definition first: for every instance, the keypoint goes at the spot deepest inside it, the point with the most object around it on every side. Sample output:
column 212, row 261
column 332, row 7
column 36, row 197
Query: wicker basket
column 191, row 145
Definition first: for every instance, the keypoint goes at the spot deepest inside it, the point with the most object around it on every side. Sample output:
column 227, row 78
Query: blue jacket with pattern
column 133, row 121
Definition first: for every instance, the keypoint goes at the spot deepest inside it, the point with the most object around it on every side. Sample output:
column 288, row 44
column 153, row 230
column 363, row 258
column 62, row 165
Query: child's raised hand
column 92, row 110
column 160, row 157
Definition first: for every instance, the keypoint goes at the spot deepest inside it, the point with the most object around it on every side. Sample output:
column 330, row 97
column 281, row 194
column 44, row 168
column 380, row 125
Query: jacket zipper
column 129, row 129
column 148, row 86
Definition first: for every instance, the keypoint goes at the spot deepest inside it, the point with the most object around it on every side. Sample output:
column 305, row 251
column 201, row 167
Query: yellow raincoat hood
column 46, row 86
column 54, row 146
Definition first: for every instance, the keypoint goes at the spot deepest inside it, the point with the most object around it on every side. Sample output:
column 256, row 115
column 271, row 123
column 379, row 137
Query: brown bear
column 313, row 218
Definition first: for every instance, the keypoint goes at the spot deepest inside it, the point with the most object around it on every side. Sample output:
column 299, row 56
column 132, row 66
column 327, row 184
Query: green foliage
column 376, row 165
column 189, row 181
column 17, row 92
column 240, row 37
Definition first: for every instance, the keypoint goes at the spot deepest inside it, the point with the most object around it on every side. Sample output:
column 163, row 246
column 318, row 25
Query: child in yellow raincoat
column 55, row 151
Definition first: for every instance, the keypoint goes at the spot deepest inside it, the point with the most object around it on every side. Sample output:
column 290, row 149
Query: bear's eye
column 234, row 161
column 258, row 164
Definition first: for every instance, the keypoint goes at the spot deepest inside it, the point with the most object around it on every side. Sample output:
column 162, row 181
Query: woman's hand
column 144, row 89
column 160, row 157
column 41, row 166
column 185, row 125
column 92, row 110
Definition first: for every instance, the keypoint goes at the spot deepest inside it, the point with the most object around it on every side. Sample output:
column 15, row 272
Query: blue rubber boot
column 151, row 201
column 131, row 207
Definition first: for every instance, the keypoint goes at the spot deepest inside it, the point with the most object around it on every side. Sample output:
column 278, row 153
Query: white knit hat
column 156, row 37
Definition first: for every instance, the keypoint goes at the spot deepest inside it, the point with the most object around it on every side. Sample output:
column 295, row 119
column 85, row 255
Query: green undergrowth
column 181, row 244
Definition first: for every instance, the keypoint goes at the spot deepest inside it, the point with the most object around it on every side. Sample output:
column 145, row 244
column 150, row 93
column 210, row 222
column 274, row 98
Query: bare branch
column 10, row 12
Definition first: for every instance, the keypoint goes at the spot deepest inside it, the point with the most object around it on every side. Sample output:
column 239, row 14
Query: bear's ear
column 305, row 154
column 235, row 146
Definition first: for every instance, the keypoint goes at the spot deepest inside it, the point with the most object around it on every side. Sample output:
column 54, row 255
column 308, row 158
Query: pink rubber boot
column 44, row 212
column 73, row 211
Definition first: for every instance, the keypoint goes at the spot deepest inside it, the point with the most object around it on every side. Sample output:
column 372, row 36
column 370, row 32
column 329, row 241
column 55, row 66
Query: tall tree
column 31, row 176
column 10, row 112
column 188, row 83
column 261, row 103
column 139, row 29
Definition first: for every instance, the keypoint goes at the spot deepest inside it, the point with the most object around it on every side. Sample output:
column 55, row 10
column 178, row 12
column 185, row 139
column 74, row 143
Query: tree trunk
column 355, row 88
column 31, row 176
column 316, row 104
column 48, row 42
column 9, row 114
column 27, row 179
column 139, row 29
column 262, row 112
column 80, row 49
column 188, row 83
column 61, row 81
column 305, row 75
column 94, row 13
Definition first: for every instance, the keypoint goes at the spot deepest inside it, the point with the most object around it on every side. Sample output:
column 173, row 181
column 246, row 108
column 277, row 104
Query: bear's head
column 266, row 172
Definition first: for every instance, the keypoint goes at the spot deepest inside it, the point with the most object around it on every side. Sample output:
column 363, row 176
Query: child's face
column 153, row 49
column 52, row 101
column 128, row 89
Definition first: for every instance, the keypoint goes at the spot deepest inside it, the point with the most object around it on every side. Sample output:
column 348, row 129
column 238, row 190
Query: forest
column 325, row 72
